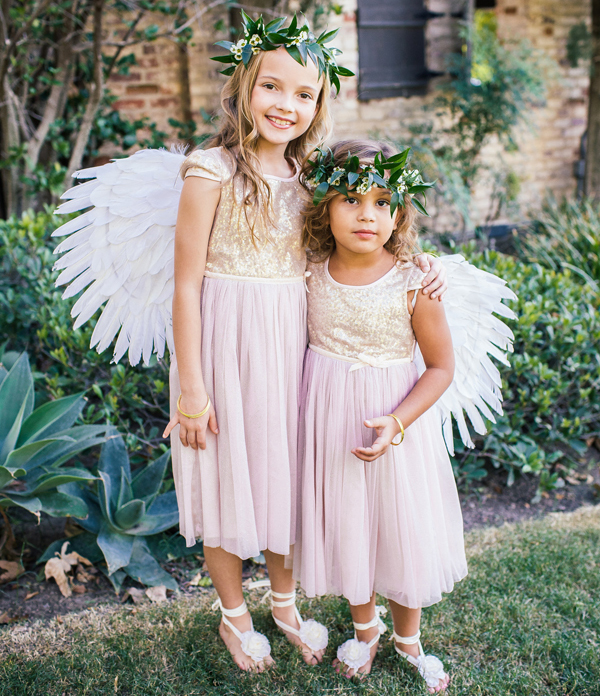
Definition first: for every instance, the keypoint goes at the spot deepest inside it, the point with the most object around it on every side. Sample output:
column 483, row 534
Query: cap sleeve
column 207, row 164
column 415, row 277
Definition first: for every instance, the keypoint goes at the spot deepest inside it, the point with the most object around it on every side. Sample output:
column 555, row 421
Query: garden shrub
column 34, row 317
column 552, row 389
column 566, row 235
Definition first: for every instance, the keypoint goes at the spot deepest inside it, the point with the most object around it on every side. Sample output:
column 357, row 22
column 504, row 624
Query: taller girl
column 239, row 322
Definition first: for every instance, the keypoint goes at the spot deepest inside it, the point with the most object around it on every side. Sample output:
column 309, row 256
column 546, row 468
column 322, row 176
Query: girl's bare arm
column 433, row 336
column 197, row 207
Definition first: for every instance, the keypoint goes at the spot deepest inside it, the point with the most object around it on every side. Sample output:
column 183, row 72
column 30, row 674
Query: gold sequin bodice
column 354, row 320
column 230, row 249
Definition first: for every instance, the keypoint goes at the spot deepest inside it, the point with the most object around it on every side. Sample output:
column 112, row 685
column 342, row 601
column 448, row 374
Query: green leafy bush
column 495, row 83
column 35, row 443
column 566, row 235
column 552, row 389
column 34, row 317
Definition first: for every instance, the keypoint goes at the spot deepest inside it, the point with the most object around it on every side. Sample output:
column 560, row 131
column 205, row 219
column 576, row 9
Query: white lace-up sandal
column 254, row 644
column 430, row 667
column 355, row 653
column 312, row 633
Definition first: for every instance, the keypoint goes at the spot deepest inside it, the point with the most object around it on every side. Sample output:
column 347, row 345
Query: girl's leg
column 226, row 574
column 362, row 613
column 282, row 581
column 406, row 624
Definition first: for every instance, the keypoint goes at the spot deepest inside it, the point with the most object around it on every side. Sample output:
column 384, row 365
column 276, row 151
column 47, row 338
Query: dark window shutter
column 391, row 48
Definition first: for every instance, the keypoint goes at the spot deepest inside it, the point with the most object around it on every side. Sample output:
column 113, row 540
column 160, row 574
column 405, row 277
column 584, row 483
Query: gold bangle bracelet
column 391, row 415
column 196, row 415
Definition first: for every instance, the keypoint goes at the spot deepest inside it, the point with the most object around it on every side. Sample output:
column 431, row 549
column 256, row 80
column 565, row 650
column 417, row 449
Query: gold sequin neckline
column 344, row 285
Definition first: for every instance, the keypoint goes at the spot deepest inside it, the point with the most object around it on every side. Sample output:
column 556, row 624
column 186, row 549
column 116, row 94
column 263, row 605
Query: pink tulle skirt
column 240, row 492
column 393, row 526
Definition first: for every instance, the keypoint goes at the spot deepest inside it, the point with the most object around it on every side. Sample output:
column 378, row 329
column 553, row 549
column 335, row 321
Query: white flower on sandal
column 354, row 653
column 431, row 669
column 314, row 635
column 255, row 645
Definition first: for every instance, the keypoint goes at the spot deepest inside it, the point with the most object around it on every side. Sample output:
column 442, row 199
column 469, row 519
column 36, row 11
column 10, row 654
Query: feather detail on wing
column 472, row 300
column 121, row 250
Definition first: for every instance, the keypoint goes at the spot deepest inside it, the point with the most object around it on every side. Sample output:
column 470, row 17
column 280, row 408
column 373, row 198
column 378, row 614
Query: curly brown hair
column 316, row 234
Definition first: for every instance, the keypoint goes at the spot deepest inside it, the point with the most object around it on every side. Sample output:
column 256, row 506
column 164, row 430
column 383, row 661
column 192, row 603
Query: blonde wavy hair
column 317, row 237
column 239, row 139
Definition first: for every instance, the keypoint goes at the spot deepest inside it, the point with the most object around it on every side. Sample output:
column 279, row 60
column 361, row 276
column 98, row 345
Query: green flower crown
column 323, row 175
column 299, row 42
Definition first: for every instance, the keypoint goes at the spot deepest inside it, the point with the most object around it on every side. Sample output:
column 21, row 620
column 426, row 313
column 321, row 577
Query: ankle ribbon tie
column 430, row 667
column 313, row 634
column 356, row 653
column 254, row 644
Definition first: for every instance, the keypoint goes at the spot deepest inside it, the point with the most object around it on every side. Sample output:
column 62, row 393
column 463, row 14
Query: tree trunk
column 592, row 160
column 95, row 97
column 10, row 140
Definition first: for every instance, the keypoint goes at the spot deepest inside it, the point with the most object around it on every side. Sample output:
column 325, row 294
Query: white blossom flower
column 255, row 40
column 255, row 645
column 303, row 36
column 354, row 653
column 431, row 669
column 314, row 634
column 255, row 50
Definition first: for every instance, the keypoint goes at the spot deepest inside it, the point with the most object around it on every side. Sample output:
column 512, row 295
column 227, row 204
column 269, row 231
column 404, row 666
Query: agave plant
column 35, row 443
column 126, row 513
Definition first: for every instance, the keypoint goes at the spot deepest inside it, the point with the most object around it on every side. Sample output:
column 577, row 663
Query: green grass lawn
column 526, row 621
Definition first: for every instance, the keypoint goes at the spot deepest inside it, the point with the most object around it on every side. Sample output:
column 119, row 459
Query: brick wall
column 548, row 147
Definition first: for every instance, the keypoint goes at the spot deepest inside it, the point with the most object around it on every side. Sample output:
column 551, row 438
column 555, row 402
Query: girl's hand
column 435, row 282
column 386, row 429
column 192, row 431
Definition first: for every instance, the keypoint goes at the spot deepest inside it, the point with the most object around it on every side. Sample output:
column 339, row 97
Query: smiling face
column 284, row 98
column 361, row 223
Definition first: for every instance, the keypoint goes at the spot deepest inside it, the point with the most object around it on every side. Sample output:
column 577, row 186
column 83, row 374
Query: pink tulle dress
column 240, row 492
column 393, row 526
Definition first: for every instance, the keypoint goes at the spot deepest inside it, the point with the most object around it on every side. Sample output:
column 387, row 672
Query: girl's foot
column 428, row 666
column 286, row 618
column 250, row 650
column 355, row 656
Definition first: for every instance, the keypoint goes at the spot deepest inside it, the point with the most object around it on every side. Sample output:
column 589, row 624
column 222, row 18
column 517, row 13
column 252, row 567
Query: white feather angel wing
column 121, row 250
column 472, row 299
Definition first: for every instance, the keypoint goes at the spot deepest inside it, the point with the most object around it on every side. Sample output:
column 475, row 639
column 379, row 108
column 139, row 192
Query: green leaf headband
column 323, row 175
column 299, row 42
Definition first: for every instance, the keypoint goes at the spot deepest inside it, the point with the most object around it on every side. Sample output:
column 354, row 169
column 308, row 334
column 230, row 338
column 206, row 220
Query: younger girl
column 239, row 323
column 384, row 516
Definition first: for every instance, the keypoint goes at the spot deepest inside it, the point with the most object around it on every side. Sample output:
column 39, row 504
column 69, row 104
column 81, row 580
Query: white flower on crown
column 363, row 186
column 255, row 645
column 255, row 50
column 431, row 669
column 314, row 634
column 332, row 178
column 303, row 36
column 255, row 40
column 354, row 653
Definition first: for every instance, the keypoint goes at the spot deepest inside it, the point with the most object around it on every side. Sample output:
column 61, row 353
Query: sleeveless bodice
column 231, row 251
column 354, row 320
